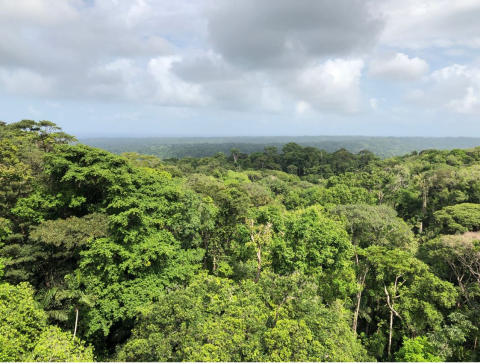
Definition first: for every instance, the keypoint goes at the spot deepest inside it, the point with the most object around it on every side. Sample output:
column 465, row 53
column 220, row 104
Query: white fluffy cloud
column 458, row 88
column 419, row 24
column 169, row 88
column 332, row 86
column 302, row 107
column 398, row 67
column 455, row 88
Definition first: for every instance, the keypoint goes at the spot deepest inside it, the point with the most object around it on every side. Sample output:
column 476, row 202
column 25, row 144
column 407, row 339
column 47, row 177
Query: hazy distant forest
column 383, row 147
column 287, row 253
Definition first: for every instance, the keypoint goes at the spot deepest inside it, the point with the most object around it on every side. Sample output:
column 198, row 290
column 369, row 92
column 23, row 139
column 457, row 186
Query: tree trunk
column 357, row 310
column 380, row 197
column 390, row 334
column 424, row 201
column 359, row 299
column 76, row 323
column 391, row 303
column 205, row 246
column 259, row 263
column 278, row 310
column 424, row 204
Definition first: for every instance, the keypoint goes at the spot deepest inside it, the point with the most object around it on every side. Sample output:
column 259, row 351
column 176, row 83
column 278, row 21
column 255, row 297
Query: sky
column 146, row 68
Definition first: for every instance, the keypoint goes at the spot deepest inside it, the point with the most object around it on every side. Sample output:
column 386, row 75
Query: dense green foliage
column 295, row 254
column 24, row 334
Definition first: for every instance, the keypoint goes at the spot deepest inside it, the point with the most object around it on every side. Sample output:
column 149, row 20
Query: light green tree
column 20, row 321
column 55, row 345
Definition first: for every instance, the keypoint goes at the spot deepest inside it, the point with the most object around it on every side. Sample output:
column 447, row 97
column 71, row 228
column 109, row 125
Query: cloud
column 270, row 57
column 281, row 33
column 331, row 86
column 169, row 88
column 77, row 45
column 113, row 80
column 287, row 47
column 271, row 99
column 415, row 24
column 416, row 96
column 204, row 67
column 137, row 12
column 398, row 67
column 61, row 35
column 244, row 56
column 302, row 107
column 39, row 12
column 455, row 88
column 227, row 86
column 25, row 82
column 459, row 87
column 455, row 52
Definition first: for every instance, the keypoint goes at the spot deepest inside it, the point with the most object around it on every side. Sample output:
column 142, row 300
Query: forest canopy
column 291, row 253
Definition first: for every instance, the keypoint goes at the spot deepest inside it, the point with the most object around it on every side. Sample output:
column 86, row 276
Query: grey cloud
column 91, row 54
column 330, row 86
column 269, row 33
column 75, row 46
column 242, row 55
column 205, row 67
column 229, row 87
column 64, row 40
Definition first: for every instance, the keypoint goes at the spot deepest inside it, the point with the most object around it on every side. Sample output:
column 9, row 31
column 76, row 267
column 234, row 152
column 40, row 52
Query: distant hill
column 383, row 147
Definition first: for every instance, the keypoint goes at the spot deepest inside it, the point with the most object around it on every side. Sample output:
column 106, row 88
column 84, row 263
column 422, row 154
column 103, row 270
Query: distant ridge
column 198, row 147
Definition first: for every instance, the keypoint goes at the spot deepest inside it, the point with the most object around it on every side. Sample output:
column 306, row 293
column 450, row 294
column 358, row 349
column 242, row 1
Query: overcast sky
column 249, row 67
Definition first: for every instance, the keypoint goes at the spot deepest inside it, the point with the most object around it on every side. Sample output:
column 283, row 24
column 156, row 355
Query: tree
column 457, row 255
column 260, row 237
column 234, row 154
column 372, row 226
column 451, row 340
column 405, row 282
column 217, row 319
column 315, row 245
column 62, row 241
column 419, row 349
column 293, row 158
column 458, row 218
column 140, row 256
column 44, row 133
column 76, row 296
column 54, row 345
column 20, row 321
